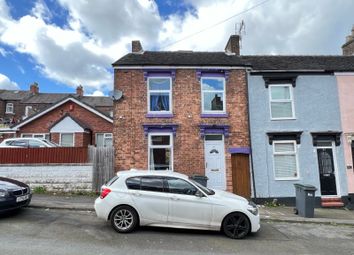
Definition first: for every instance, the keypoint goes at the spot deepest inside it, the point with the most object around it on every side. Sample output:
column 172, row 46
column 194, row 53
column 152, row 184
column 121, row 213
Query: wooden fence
column 43, row 155
column 102, row 159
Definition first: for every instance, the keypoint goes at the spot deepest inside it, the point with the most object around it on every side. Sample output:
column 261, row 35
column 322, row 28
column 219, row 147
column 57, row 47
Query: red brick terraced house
column 186, row 112
column 70, row 122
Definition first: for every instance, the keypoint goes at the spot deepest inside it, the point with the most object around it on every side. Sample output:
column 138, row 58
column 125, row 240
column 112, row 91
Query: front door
column 241, row 175
column 215, row 161
column 327, row 171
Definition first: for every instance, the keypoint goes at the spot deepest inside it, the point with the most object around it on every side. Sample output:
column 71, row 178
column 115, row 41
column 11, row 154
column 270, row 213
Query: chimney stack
column 233, row 45
column 348, row 46
column 80, row 91
column 136, row 47
column 34, row 88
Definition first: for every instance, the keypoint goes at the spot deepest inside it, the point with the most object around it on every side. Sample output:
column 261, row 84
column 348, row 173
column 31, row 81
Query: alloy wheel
column 236, row 225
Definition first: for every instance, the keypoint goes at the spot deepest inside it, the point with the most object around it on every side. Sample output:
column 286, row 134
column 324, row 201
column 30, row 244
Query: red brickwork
column 130, row 113
column 91, row 120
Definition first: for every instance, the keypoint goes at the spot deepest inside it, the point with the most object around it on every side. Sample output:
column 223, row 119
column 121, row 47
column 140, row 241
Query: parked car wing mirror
column 199, row 194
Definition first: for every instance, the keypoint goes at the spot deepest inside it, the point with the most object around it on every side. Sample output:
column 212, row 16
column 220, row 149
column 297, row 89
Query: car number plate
column 22, row 198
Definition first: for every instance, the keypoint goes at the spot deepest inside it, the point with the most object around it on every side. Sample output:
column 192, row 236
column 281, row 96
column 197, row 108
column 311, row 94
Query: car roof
column 136, row 172
column 24, row 138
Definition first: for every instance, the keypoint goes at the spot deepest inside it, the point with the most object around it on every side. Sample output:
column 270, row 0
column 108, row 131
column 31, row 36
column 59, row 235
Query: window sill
column 159, row 115
column 10, row 113
column 280, row 119
column 288, row 179
column 214, row 115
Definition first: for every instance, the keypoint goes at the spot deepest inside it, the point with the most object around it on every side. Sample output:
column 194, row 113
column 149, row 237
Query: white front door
column 215, row 161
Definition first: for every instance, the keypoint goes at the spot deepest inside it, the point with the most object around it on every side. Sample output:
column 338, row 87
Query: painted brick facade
column 130, row 114
column 95, row 123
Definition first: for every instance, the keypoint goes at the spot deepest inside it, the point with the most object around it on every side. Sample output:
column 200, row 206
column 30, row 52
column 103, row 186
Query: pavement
column 340, row 216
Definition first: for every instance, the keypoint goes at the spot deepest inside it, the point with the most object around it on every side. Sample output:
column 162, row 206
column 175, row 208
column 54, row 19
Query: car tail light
column 104, row 192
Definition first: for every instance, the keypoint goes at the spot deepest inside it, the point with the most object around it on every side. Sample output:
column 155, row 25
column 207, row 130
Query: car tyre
column 124, row 219
column 236, row 225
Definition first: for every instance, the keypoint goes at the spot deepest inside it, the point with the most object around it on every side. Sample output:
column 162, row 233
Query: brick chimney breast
column 80, row 90
column 34, row 88
column 233, row 45
column 348, row 46
column 136, row 47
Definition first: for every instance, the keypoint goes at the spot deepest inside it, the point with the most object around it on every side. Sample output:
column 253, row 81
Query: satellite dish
column 116, row 94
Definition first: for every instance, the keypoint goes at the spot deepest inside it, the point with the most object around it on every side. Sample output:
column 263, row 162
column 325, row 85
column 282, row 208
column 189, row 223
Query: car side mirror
column 199, row 194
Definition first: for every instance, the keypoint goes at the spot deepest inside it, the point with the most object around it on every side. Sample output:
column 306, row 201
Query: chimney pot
column 80, row 91
column 233, row 45
column 136, row 47
column 34, row 88
column 348, row 46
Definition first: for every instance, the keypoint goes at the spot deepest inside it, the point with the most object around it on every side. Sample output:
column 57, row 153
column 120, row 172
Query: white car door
column 185, row 208
column 149, row 199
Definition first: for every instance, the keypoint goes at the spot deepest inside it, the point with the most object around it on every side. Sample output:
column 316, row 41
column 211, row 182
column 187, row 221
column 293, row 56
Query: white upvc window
column 36, row 135
column 159, row 95
column 160, row 151
column 67, row 139
column 9, row 108
column 281, row 102
column 285, row 160
column 213, row 94
column 104, row 140
column 28, row 110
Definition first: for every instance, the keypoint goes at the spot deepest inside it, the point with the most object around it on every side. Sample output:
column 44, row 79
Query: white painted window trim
column 160, row 146
column 291, row 100
column 335, row 163
column 67, row 133
column 37, row 134
column 214, row 91
column 159, row 91
column 11, row 106
column 286, row 153
column 27, row 109
column 105, row 135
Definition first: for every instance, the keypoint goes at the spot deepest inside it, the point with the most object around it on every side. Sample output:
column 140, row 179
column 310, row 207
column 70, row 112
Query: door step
column 331, row 202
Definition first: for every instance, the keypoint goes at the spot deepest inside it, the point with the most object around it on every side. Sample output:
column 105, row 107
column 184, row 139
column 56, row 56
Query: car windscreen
column 204, row 189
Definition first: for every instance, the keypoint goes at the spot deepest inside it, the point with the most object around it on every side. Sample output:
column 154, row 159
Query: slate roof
column 180, row 58
column 14, row 94
column 27, row 97
column 44, row 98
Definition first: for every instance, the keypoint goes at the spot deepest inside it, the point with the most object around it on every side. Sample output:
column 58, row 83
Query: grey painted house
column 295, row 127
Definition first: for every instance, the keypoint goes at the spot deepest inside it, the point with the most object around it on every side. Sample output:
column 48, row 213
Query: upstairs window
column 9, row 108
column 281, row 102
column 160, row 95
column 213, row 94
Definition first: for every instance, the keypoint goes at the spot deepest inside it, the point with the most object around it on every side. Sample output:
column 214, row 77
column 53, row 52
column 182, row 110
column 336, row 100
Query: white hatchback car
column 169, row 199
column 24, row 142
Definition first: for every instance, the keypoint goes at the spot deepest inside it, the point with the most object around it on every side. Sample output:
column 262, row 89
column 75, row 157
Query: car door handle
column 175, row 198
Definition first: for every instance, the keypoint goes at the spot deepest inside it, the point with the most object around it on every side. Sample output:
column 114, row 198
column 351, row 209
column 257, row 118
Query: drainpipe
column 249, row 134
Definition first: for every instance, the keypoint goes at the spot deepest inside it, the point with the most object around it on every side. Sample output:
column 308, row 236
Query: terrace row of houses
column 254, row 125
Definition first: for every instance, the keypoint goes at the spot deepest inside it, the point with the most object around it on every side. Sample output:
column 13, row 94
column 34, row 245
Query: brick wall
column 45, row 122
column 130, row 143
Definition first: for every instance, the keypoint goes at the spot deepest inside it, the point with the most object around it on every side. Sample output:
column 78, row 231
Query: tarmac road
column 43, row 231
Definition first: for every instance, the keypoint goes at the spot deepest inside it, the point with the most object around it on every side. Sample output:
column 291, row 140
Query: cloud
column 6, row 83
column 96, row 33
column 96, row 93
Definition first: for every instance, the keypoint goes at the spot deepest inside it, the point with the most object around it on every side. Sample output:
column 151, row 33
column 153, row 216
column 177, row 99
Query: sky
column 61, row 44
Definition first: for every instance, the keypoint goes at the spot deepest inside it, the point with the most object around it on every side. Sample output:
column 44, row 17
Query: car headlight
column 252, row 208
column 3, row 193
